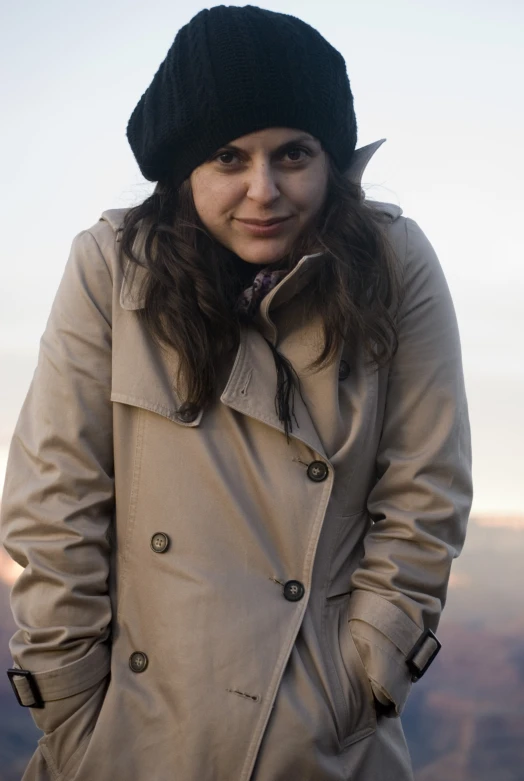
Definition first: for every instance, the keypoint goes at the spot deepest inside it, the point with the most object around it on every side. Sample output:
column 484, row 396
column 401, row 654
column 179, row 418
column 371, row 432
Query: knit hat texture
column 234, row 70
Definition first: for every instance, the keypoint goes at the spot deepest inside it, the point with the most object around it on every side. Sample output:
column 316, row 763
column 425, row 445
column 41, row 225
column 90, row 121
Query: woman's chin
column 262, row 254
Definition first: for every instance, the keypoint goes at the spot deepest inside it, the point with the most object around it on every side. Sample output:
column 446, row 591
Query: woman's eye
column 295, row 154
column 225, row 157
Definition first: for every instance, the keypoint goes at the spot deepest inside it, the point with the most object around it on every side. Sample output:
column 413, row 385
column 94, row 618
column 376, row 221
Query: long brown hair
column 190, row 293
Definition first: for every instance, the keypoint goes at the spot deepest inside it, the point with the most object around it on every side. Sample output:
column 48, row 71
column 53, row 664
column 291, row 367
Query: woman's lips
column 264, row 229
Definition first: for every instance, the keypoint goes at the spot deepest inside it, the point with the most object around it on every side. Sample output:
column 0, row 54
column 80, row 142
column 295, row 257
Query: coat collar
column 131, row 293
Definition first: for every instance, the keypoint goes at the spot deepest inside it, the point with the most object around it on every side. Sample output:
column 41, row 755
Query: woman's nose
column 262, row 186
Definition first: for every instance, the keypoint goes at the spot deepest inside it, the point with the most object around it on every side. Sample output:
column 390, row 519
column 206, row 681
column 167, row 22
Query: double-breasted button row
column 138, row 662
column 344, row 370
column 294, row 590
column 317, row 471
column 159, row 542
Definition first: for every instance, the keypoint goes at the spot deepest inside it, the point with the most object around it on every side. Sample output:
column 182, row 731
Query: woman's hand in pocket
column 56, row 712
column 385, row 665
column 383, row 708
column 68, row 723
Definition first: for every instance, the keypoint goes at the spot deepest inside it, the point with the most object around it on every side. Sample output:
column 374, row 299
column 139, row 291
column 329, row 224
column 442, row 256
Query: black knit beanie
column 233, row 70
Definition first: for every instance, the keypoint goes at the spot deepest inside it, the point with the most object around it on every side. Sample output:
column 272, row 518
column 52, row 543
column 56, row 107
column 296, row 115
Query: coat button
column 159, row 542
column 187, row 413
column 343, row 370
column 294, row 590
column 138, row 662
column 317, row 471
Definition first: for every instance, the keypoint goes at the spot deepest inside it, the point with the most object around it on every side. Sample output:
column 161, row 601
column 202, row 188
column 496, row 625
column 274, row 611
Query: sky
column 442, row 82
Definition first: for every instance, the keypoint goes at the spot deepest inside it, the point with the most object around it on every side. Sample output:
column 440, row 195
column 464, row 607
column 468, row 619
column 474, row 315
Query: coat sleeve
column 58, row 497
column 421, row 499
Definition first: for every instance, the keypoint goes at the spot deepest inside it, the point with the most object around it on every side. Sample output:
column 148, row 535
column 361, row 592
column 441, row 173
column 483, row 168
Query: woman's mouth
column 264, row 227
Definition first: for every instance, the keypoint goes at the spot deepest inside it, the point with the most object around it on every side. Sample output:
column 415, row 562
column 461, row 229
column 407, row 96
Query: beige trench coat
column 247, row 595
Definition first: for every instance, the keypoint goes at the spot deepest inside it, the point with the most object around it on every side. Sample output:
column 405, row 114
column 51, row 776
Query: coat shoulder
column 392, row 210
column 415, row 253
column 114, row 218
column 106, row 231
column 106, row 234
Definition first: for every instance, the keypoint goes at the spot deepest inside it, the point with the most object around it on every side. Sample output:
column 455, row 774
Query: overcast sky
column 441, row 81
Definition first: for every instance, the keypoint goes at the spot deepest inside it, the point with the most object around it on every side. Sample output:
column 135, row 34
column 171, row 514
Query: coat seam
column 133, row 502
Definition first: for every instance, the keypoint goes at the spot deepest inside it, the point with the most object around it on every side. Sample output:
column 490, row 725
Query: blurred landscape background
column 442, row 82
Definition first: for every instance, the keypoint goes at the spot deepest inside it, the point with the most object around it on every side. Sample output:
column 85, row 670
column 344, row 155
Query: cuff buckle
column 28, row 676
column 417, row 670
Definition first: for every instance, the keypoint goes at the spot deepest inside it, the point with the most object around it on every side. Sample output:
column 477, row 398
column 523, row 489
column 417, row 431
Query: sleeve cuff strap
column 61, row 682
column 386, row 617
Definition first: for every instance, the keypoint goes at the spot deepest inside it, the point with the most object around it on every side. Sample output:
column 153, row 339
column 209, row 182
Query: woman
column 243, row 467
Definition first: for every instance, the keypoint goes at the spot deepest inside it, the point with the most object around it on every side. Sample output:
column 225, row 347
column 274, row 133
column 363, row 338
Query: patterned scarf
column 250, row 299
column 248, row 304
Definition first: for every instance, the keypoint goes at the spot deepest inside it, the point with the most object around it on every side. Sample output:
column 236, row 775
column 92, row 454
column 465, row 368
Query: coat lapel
column 252, row 387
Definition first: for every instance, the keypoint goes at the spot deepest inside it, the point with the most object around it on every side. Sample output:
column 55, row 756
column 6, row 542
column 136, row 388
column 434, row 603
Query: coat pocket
column 64, row 747
column 357, row 718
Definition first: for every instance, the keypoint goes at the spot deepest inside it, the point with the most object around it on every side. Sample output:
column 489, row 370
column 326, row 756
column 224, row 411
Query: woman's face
column 276, row 174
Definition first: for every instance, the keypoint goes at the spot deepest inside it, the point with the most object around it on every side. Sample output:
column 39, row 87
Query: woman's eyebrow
column 281, row 148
